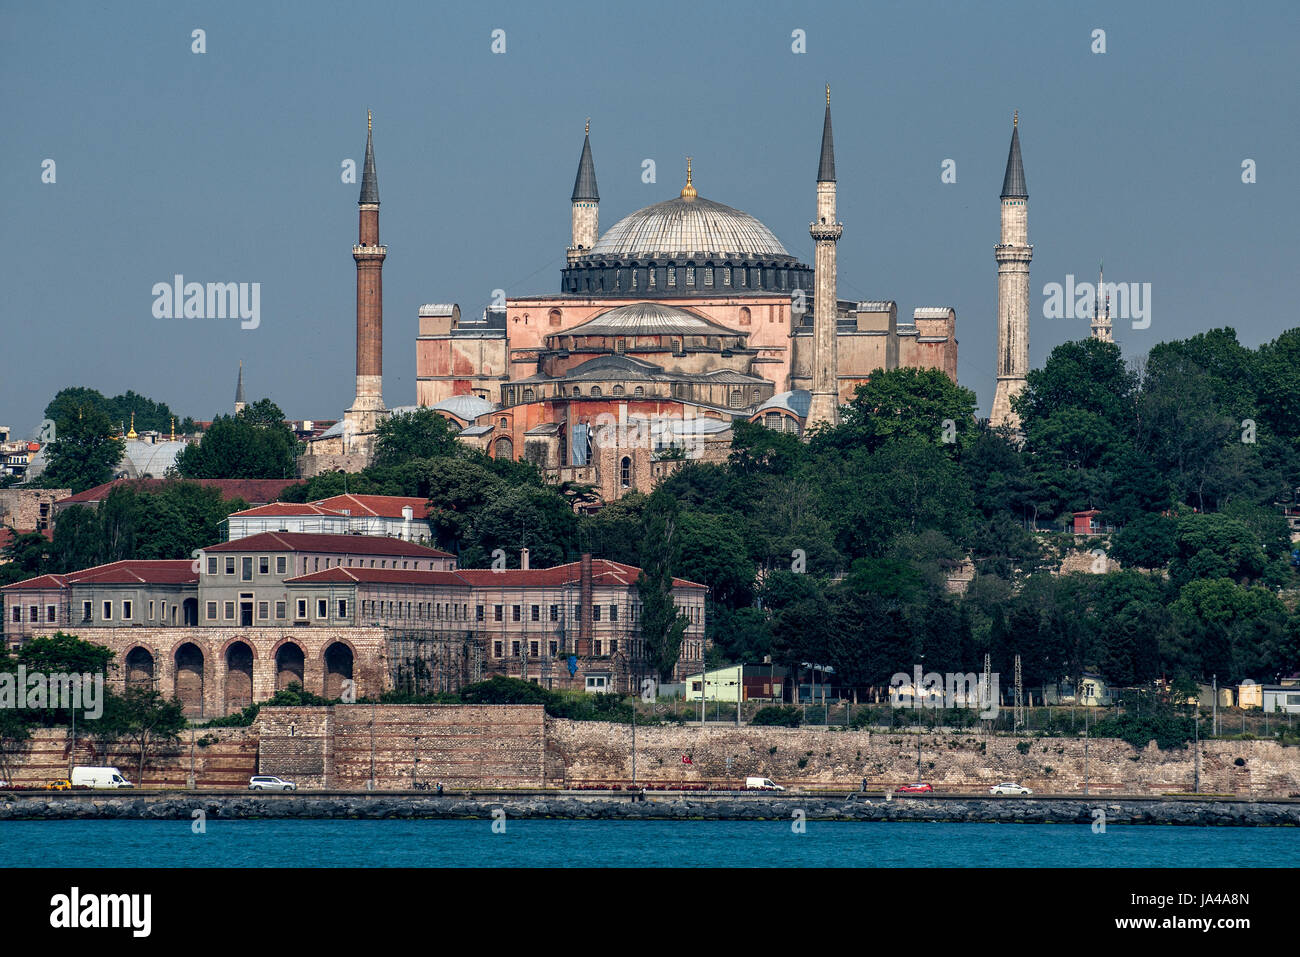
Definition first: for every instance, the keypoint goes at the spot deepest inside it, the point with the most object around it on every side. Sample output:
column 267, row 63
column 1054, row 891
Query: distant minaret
column 1013, row 254
column 368, row 406
column 825, row 231
column 239, row 390
column 1101, row 328
column 586, row 203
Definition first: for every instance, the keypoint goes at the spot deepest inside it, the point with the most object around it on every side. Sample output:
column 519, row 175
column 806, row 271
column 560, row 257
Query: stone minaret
column 1013, row 253
column 825, row 231
column 586, row 203
column 239, row 390
column 1101, row 325
column 368, row 406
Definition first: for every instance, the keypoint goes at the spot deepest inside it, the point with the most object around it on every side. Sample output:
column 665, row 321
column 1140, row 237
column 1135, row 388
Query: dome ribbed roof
column 680, row 227
column 649, row 319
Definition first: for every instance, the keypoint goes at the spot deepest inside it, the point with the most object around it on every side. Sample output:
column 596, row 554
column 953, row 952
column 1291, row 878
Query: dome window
column 618, row 390
column 595, row 392
column 638, row 392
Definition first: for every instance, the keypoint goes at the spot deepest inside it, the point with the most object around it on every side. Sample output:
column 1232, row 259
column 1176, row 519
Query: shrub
column 781, row 716
column 1022, row 747
column 1167, row 729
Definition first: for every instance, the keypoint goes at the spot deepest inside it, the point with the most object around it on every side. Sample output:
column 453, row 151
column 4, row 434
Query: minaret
column 1013, row 253
column 586, row 202
column 825, row 405
column 1101, row 327
column 239, row 390
column 368, row 406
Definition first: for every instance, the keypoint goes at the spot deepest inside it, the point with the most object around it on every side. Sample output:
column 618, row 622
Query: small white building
column 390, row 516
column 1281, row 698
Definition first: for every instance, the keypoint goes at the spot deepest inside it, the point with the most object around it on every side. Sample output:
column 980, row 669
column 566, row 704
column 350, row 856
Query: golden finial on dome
column 370, row 121
column 588, row 130
column 828, row 94
column 1015, row 119
column 173, row 428
column 688, row 191
column 131, row 434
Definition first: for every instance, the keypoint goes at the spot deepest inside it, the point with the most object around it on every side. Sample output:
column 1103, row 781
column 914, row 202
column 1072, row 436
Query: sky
column 227, row 166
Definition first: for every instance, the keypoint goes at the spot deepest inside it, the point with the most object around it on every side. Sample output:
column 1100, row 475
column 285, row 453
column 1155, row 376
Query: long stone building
column 340, row 612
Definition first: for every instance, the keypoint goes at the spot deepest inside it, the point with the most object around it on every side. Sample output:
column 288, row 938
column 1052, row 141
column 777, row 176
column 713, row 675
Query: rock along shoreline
column 1195, row 813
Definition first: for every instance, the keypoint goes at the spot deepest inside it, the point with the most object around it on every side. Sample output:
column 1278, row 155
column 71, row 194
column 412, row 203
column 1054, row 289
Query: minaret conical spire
column 584, row 184
column 239, row 390
column 1013, row 184
column 826, row 168
column 369, row 180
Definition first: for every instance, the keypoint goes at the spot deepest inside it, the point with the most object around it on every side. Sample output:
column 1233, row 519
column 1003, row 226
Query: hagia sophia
column 675, row 322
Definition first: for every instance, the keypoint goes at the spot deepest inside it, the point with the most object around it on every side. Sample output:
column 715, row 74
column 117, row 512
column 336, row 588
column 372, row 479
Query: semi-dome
column 648, row 319
column 688, row 227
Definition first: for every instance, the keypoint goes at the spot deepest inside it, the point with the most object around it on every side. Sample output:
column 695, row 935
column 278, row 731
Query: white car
column 268, row 782
column 1009, row 788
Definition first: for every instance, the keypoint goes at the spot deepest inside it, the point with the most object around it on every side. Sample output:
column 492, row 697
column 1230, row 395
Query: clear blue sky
column 225, row 166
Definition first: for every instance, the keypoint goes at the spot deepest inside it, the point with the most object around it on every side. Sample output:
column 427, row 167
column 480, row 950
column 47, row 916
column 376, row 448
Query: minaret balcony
column 362, row 250
column 822, row 231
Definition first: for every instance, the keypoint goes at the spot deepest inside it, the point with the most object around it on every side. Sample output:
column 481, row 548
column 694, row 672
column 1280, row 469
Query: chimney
column 408, row 513
column 523, row 559
column 584, row 607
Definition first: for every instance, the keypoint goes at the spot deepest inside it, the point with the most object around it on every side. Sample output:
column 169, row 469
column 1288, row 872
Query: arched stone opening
column 289, row 666
column 338, row 668
column 139, row 668
column 239, row 677
column 189, row 679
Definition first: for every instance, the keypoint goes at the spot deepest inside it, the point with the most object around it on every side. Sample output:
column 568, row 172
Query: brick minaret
column 586, row 203
column 1013, row 254
column 825, row 405
column 368, row 406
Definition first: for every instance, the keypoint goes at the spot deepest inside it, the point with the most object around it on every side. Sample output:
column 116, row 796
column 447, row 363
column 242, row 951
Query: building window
column 496, row 612
column 625, row 472
column 230, row 564
column 672, row 276
column 577, row 613
column 638, row 392
column 537, row 612
column 51, row 613
column 263, row 610
column 514, row 649
column 478, row 613
column 596, row 682
column 555, row 613
column 595, row 392
column 613, row 646
column 599, row 647
column 595, row 613
column 496, row 649
column 322, row 608
column 343, row 607
column 264, row 565
column 228, row 610
column 281, row 564
column 555, row 648
column 246, row 568
column 554, row 317
column 533, row 649
column 280, row 610
column 108, row 611
column 86, row 611
column 302, row 608
column 212, row 564
column 514, row 613
column 212, row 611
column 528, row 395
column 618, row 389
column 613, row 612
column 737, row 399
column 690, row 275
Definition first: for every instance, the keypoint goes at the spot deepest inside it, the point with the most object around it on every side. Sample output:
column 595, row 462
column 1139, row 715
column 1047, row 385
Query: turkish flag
column 686, row 759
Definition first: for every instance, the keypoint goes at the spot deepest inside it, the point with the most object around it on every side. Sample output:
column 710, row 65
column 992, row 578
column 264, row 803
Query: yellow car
column 61, row 785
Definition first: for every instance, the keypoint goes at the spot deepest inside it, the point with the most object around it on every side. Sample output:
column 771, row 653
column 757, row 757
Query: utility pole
column 372, row 748
column 634, row 740
column 72, row 748
column 1214, row 722
column 1197, row 756
column 918, row 754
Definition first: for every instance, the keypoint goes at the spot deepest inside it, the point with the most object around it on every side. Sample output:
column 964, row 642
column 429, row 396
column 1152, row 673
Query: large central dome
column 688, row 227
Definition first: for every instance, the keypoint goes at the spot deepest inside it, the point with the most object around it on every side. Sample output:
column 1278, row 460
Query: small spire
column 688, row 191
column 826, row 165
column 1013, row 183
column 584, row 184
column 239, row 385
column 131, row 434
column 369, row 180
column 173, row 428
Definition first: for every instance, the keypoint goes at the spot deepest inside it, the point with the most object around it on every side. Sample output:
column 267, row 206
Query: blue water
column 550, row 843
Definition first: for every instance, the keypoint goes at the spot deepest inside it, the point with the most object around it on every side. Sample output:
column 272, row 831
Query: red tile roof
column 128, row 572
column 280, row 509
column 334, row 544
column 603, row 572
column 380, row 506
column 254, row 491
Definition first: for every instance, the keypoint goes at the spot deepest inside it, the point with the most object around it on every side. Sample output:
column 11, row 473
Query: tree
column 519, row 517
column 906, row 403
column 85, row 452
column 663, row 626
column 146, row 719
column 28, row 555
column 149, row 415
column 1149, row 541
column 421, row 434
column 256, row 443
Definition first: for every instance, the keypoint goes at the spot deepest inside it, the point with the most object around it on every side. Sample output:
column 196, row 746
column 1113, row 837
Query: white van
column 761, row 784
column 99, row 778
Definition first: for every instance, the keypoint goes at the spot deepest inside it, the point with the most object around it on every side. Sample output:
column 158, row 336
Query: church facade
column 678, row 320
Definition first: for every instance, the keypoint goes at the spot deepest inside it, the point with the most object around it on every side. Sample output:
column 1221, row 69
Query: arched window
column 638, row 392
column 618, row 390
column 577, row 390
column 757, row 394
column 504, row 449
column 672, row 276
column 625, row 472
column 554, row 317
column 528, row 395
column 773, row 421
column 595, row 392
column 505, row 423
column 737, row 399
column 744, row 315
